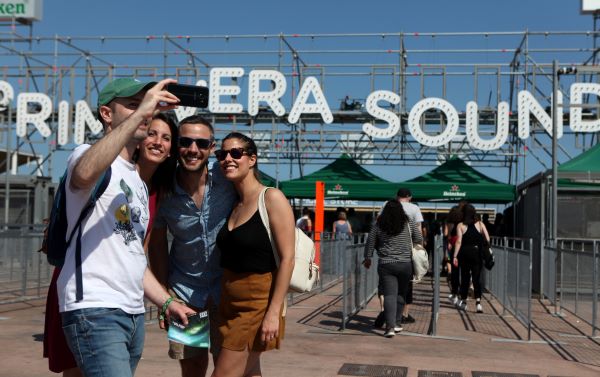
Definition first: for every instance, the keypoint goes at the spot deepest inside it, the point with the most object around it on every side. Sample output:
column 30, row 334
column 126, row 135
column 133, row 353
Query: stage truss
column 459, row 67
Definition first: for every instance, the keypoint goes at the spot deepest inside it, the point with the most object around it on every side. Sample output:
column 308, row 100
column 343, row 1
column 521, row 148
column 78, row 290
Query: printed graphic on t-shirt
column 126, row 190
column 125, row 215
column 143, row 214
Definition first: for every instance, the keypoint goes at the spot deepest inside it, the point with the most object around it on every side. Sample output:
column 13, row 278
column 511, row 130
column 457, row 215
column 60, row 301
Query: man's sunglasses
column 236, row 153
column 186, row 142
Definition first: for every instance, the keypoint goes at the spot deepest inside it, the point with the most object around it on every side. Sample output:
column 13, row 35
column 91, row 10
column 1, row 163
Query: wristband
column 163, row 311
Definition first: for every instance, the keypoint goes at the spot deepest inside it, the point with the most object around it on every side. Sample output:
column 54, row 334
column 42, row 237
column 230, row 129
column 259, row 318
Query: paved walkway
column 314, row 346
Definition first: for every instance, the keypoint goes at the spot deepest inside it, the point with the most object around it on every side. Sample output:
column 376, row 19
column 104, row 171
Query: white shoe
column 479, row 308
column 462, row 305
column 390, row 333
column 454, row 299
column 398, row 329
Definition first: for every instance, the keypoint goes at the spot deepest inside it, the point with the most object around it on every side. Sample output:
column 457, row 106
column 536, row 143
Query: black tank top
column 471, row 240
column 246, row 248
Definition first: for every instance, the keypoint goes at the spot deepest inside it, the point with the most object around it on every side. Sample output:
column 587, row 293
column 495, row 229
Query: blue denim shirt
column 194, row 271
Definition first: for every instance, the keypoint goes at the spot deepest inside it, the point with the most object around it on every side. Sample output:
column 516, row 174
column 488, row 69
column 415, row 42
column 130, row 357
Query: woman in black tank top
column 467, row 253
column 253, row 289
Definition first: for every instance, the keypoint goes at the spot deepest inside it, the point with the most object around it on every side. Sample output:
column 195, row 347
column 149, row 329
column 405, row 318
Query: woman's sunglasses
column 236, row 153
column 186, row 142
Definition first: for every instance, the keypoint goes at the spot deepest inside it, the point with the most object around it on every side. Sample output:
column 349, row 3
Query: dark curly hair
column 392, row 218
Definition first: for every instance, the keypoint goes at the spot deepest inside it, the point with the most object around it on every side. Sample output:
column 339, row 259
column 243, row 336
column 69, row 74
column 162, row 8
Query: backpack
column 55, row 242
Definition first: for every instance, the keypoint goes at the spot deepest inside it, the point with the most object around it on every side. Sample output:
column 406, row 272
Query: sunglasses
column 236, row 153
column 186, row 142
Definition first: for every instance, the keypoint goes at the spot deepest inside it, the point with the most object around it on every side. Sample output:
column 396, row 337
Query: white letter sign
column 379, row 113
column 417, row 112
column 310, row 85
column 38, row 119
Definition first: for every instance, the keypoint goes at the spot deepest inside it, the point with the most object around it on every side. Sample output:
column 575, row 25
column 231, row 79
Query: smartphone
column 189, row 95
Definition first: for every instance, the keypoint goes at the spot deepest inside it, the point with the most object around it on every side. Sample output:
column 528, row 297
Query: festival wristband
column 163, row 311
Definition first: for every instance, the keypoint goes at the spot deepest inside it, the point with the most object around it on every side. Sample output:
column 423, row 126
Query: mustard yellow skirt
column 245, row 298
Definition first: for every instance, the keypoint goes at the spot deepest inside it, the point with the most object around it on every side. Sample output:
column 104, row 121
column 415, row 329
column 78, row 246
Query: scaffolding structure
column 487, row 67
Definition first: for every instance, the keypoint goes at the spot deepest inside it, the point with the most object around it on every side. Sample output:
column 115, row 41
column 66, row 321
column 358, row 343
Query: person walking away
column 342, row 230
column 394, row 242
column 455, row 216
column 193, row 214
column 467, row 254
column 251, row 321
column 304, row 223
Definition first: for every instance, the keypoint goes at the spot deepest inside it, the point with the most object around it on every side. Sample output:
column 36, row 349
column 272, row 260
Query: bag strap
column 409, row 235
column 99, row 189
column 264, row 216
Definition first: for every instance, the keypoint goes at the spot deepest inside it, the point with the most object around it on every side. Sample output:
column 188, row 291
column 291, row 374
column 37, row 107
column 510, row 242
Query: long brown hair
column 392, row 218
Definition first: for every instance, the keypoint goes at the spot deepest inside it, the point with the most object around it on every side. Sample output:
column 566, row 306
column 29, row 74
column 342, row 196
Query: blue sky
column 110, row 17
column 151, row 17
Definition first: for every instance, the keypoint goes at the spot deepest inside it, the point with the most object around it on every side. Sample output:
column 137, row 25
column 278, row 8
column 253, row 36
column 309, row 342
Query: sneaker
column 379, row 321
column 453, row 299
column 398, row 329
column 461, row 305
column 479, row 308
column 408, row 319
column 390, row 333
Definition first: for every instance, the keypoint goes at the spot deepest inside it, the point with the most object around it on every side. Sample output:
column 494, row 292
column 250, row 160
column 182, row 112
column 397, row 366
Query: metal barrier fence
column 550, row 273
column 24, row 272
column 436, row 267
column 577, row 281
column 341, row 260
column 359, row 284
column 332, row 253
column 510, row 279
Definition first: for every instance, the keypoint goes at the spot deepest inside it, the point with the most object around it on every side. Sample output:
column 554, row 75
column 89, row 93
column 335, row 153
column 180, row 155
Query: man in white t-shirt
column 101, row 288
column 304, row 223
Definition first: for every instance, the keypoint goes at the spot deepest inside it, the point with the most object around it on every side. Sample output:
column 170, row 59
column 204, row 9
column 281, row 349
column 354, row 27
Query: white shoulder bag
column 306, row 272
column 419, row 258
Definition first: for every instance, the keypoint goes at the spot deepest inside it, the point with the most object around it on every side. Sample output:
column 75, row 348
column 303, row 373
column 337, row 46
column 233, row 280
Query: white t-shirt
column 112, row 254
column 412, row 211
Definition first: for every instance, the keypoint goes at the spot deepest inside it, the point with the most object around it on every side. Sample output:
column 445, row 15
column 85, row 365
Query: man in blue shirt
column 194, row 214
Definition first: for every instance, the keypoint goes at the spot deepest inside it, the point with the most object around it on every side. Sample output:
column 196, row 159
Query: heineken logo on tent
column 337, row 190
column 455, row 192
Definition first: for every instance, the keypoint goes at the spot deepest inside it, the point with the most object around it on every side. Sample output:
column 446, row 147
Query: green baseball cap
column 123, row 87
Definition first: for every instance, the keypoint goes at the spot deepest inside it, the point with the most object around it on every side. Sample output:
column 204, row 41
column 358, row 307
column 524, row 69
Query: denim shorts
column 106, row 342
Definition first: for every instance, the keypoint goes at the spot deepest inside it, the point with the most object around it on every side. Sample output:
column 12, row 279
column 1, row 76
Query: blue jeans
column 105, row 342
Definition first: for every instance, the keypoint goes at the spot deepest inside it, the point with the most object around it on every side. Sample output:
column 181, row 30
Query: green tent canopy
column 454, row 180
column 344, row 179
column 584, row 168
column 266, row 179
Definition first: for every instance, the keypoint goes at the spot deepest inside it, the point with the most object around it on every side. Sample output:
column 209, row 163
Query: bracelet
column 163, row 311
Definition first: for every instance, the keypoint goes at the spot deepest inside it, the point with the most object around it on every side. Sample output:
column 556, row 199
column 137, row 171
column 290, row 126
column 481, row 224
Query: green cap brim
column 122, row 88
